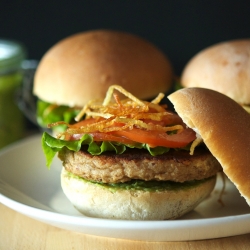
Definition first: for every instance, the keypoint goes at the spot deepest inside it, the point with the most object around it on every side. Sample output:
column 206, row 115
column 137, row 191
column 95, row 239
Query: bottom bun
column 95, row 200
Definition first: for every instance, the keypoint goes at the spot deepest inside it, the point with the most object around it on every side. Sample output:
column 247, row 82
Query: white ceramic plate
column 27, row 186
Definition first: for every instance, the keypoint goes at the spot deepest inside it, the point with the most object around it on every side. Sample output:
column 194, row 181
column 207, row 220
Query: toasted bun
column 224, row 126
column 96, row 201
column 81, row 67
column 224, row 67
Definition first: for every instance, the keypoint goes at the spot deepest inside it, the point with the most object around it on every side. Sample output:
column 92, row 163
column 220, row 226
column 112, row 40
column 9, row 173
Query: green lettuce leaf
column 46, row 116
column 52, row 145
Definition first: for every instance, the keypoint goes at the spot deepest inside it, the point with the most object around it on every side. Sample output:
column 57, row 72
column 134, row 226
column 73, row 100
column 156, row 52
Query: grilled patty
column 178, row 166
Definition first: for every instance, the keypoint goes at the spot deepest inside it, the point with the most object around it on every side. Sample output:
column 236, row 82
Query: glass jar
column 12, row 121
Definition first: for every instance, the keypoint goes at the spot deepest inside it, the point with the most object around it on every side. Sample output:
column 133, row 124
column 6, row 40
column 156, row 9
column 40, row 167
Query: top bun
column 224, row 67
column 81, row 67
column 224, row 127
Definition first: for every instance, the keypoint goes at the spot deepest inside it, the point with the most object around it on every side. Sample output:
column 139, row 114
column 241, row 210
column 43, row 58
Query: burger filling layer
column 116, row 141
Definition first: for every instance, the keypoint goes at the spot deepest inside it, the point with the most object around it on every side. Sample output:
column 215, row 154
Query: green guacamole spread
column 150, row 186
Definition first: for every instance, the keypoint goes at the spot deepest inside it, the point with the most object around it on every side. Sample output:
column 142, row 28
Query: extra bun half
column 224, row 126
column 224, row 67
column 81, row 67
column 95, row 200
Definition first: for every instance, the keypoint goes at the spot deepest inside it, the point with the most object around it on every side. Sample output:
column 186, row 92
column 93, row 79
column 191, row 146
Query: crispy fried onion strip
column 122, row 91
column 122, row 114
column 107, row 111
column 114, row 114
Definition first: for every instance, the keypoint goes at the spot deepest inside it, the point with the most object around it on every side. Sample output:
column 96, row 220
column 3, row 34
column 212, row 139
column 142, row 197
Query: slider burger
column 130, row 159
column 224, row 67
column 81, row 67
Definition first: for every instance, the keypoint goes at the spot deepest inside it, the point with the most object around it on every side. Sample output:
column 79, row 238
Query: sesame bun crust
column 96, row 201
column 223, row 67
column 81, row 67
column 224, row 126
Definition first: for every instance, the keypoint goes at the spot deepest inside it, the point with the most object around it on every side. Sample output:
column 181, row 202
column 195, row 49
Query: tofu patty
column 178, row 166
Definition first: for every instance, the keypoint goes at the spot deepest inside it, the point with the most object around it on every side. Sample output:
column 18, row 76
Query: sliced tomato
column 171, row 119
column 166, row 120
column 155, row 138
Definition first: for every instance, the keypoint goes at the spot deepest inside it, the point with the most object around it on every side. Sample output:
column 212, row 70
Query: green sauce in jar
column 12, row 122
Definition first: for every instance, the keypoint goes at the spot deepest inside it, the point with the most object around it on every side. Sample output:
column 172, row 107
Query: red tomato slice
column 171, row 119
column 155, row 138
